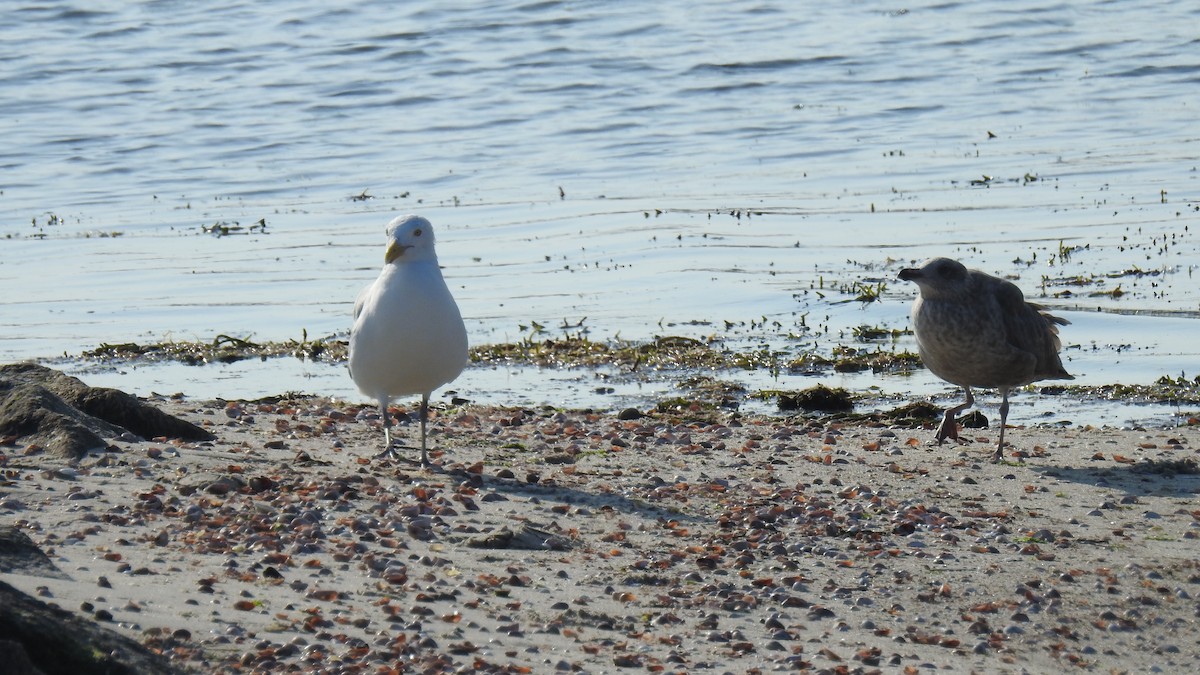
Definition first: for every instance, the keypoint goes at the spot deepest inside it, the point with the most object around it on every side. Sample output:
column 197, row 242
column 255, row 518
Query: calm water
column 718, row 162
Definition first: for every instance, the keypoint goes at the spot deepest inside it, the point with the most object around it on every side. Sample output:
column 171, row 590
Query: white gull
column 408, row 336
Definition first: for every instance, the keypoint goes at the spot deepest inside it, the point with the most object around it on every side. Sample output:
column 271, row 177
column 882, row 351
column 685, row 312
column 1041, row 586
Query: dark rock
column 15, row 660
column 38, row 638
column 68, row 418
column 19, row 554
column 37, row 415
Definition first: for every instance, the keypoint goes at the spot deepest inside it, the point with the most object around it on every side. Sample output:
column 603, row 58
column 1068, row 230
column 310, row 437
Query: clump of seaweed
column 853, row 360
column 819, row 398
column 666, row 352
column 225, row 228
column 719, row 393
column 221, row 349
column 911, row 415
column 1166, row 389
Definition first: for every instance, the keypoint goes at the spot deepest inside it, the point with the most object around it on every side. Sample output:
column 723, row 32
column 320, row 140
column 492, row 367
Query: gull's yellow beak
column 394, row 251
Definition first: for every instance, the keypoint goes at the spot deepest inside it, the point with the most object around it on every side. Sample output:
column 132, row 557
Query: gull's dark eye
column 416, row 233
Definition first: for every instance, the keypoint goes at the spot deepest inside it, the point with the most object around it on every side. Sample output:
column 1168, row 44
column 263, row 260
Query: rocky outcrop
column 40, row 405
column 20, row 555
column 39, row 638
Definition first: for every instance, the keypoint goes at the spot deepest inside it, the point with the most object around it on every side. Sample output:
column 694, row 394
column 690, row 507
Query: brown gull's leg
column 999, row 454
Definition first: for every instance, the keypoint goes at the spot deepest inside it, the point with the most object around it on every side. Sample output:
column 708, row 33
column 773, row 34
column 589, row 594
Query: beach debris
column 225, row 228
column 523, row 537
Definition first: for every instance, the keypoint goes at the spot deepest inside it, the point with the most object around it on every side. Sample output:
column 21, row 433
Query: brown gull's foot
column 947, row 429
column 949, row 426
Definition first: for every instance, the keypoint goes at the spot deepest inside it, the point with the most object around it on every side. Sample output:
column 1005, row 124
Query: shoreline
column 573, row 541
column 578, row 372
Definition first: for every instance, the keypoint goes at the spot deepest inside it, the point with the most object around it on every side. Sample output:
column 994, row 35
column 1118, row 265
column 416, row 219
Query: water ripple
column 574, row 155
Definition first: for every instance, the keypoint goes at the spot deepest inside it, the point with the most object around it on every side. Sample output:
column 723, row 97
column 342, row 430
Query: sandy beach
column 568, row 541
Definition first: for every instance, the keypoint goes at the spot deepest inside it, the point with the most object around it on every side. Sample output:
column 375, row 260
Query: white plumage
column 408, row 336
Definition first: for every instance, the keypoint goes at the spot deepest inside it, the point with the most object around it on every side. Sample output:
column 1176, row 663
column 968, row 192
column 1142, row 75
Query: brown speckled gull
column 977, row 330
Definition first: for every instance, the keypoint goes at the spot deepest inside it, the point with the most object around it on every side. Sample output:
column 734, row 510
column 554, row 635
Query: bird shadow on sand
column 532, row 488
column 1159, row 478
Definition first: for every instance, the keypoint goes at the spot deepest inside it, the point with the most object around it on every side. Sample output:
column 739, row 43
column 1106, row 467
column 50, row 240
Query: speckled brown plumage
column 977, row 330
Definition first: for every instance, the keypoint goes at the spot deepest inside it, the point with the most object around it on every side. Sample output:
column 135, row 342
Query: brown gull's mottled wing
column 1032, row 330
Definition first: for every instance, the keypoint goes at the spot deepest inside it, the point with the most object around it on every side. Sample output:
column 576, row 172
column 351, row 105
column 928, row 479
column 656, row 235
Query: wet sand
column 560, row 541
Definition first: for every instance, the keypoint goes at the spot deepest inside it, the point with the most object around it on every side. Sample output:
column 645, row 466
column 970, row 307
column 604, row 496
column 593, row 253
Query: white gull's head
column 410, row 239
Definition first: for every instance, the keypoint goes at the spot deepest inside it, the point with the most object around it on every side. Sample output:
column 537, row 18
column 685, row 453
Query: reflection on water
column 721, row 169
